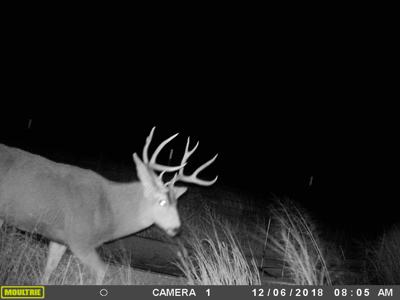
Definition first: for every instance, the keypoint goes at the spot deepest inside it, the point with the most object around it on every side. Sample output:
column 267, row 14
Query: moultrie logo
column 21, row 292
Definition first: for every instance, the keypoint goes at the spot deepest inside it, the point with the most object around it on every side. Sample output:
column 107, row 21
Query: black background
column 278, row 108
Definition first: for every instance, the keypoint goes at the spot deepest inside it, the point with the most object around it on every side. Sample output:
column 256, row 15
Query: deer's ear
column 179, row 191
column 143, row 174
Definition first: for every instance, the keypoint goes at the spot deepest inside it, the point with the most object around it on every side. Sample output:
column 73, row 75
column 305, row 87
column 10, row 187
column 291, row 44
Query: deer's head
column 161, row 197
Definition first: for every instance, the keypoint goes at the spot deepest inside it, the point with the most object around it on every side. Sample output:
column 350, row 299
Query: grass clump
column 213, row 256
column 23, row 258
column 295, row 241
column 383, row 259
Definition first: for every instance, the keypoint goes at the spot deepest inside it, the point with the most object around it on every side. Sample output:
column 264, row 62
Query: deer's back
column 60, row 201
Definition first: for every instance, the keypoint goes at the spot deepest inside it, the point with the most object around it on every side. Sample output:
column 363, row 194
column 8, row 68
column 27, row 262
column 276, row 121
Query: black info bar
column 200, row 292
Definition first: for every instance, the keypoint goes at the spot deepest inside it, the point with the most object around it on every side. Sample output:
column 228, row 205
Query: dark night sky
column 262, row 149
column 278, row 110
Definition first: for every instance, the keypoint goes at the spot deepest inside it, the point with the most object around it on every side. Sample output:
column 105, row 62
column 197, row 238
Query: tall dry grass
column 295, row 240
column 211, row 254
column 383, row 259
column 23, row 258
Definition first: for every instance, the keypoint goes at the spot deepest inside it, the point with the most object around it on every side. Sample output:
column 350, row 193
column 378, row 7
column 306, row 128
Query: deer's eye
column 162, row 202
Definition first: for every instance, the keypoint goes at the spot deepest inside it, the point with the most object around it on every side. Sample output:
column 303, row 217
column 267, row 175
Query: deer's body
column 64, row 202
column 79, row 209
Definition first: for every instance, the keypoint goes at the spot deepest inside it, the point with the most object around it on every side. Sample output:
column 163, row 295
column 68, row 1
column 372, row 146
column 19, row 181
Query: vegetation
column 23, row 258
column 383, row 259
column 299, row 246
column 219, row 251
column 216, row 256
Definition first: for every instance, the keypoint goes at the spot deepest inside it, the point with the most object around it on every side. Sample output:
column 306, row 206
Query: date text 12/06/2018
column 260, row 292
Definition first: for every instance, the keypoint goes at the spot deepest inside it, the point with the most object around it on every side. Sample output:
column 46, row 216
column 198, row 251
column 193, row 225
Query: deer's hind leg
column 91, row 259
column 56, row 251
column 1, row 222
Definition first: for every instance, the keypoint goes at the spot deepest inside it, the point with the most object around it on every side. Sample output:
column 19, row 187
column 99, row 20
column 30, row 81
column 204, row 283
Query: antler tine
column 172, row 181
column 146, row 146
column 178, row 176
column 152, row 162
column 161, row 175
column 205, row 165
column 159, row 148
column 185, row 157
column 193, row 177
column 187, row 153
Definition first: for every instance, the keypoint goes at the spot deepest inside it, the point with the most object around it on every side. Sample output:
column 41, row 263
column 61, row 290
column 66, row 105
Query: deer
column 78, row 209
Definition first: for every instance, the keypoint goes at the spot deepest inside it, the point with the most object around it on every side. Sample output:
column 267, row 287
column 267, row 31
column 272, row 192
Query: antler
column 178, row 176
column 152, row 162
column 193, row 177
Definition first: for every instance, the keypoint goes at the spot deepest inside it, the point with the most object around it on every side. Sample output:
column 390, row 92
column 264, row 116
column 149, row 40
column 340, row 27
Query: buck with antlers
column 79, row 209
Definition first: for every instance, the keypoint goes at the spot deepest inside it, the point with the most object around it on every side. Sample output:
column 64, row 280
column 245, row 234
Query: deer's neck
column 129, row 208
